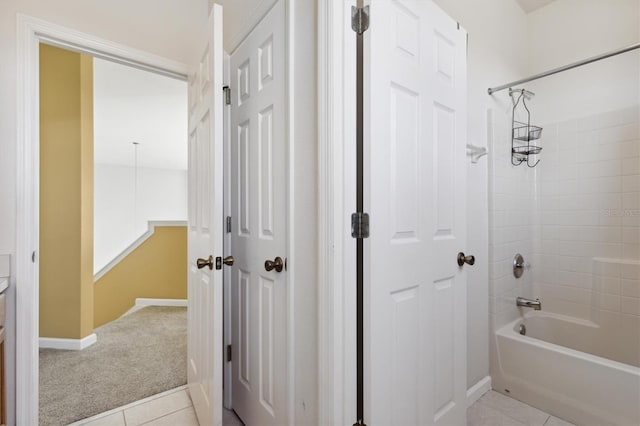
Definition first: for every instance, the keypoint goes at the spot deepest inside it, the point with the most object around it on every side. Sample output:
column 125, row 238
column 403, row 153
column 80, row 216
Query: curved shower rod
column 492, row 90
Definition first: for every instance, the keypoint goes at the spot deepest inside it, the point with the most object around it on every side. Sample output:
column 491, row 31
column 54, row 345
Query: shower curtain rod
column 492, row 90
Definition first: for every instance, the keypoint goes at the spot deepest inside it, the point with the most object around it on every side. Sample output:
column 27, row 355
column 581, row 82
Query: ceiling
column 531, row 5
column 131, row 105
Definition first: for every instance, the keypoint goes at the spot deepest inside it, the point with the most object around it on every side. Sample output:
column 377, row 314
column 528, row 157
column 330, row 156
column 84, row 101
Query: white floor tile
column 185, row 417
column 483, row 415
column 156, row 408
column 115, row 419
column 515, row 409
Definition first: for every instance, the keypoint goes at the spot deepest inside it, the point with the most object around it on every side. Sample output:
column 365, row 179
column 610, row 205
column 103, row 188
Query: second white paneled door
column 416, row 293
column 258, row 208
column 205, row 233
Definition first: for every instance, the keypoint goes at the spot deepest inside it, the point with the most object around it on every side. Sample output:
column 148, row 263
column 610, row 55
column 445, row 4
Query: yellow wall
column 157, row 270
column 66, row 194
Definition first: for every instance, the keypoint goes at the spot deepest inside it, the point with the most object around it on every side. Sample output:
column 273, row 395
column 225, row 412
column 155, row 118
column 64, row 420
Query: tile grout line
column 164, row 415
column 158, row 418
column 511, row 416
column 122, row 408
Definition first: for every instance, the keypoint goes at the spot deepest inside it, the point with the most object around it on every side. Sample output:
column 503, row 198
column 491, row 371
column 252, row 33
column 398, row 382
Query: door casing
column 336, row 201
column 31, row 32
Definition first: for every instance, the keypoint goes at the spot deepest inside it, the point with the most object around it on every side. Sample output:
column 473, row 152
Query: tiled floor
column 495, row 409
column 174, row 408
column 169, row 408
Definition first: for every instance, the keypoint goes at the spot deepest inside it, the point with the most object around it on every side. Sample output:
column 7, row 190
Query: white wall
column 164, row 27
column 497, row 34
column 121, row 217
column 566, row 31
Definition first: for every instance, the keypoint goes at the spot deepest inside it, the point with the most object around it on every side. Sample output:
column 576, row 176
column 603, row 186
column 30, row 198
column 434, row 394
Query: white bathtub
column 566, row 380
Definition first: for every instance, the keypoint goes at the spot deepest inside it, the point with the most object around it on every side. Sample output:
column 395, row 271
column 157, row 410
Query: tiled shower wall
column 575, row 218
column 586, row 260
column 511, row 215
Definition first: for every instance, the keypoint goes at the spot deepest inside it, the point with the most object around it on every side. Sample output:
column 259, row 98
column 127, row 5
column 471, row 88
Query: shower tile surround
column 587, row 221
column 511, row 215
column 575, row 217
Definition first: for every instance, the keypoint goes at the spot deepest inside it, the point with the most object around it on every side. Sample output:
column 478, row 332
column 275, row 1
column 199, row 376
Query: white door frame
column 30, row 33
column 336, row 202
column 226, row 276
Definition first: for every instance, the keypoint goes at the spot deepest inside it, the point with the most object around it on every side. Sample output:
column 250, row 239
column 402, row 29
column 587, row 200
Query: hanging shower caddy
column 523, row 134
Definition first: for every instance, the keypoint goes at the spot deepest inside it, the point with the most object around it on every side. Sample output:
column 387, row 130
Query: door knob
column 462, row 259
column 228, row 260
column 205, row 262
column 276, row 264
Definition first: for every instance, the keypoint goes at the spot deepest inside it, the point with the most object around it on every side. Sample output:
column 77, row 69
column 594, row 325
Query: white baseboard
column 143, row 303
column 67, row 344
column 476, row 391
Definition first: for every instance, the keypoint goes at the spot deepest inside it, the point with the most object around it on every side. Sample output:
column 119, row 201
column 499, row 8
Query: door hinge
column 218, row 263
column 360, row 19
column 228, row 353
column 360, row 225
column 227, row 95
column 228, row 225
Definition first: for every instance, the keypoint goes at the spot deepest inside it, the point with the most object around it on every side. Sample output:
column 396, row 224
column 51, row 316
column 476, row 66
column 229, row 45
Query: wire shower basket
column 522, row 134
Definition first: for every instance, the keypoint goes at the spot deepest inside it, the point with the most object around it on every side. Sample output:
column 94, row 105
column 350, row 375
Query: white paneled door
column 258, row 209
column 416, row 301
column 205, row 227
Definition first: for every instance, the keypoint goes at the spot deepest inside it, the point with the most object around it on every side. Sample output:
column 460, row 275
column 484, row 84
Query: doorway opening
column 127, row 206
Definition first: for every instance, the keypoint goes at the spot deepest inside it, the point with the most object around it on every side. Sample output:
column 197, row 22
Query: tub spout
column 528, row 303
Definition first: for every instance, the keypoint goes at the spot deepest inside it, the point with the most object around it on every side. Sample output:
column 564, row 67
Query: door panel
column 204, row 238
column 415, row 89
column 258, row 201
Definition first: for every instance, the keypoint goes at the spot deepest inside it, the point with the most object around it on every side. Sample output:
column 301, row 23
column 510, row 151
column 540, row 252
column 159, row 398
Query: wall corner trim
column 67, row 344
column 476, row 391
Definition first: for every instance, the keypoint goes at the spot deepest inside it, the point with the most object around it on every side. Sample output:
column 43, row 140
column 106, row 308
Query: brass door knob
column 205, row 262
column 228, row 260
column 462, row 259
column 276, row 264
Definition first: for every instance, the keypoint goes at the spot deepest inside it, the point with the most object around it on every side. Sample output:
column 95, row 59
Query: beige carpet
column 136, row 356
